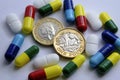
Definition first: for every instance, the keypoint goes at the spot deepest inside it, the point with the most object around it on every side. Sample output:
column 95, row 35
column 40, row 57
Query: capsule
column 104, row 52
column 94, row 21
column 46, row 61
column 26, row 56
column 107, row 64
column 50, row 8
column 14, row 23
column 92, row 43
column 14, row 47
column 40, row 3
column 73, row 65
column 69, row 11
column 111, row 38
column 81, row 21
column 46, row 73
column 28, row 19
column 108, row 23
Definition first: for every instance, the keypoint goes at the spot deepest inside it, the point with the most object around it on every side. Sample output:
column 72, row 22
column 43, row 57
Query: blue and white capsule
column 110, row 37
column 69, row 11
column 14, row 47
column 104, row 52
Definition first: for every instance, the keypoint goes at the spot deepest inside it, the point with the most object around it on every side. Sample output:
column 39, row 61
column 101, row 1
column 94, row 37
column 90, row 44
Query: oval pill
column 104, row 52
column 107, row 64
column 73, row 65
column 14, row 47
column 108, row 23
column 14, row 23
column 94, row 21
column 81, row 21
column 92, row 43
column 46, row 61
column 69, row 11
column 26, row 56
column 28, row 19
column 46, row 73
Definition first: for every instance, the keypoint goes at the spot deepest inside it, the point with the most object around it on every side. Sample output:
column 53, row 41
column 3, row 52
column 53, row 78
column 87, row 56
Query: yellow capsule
column 53, row 71
column 21, row 60
column 27, row 25
column 114, row 57
column 104, row 17
column 79, row 60
column 79, row 11
column 56, row 5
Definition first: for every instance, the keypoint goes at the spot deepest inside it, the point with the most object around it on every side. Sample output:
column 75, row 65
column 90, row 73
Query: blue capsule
column 69, row 11
column 105, row 51
column 14, row 47
column 109, row 37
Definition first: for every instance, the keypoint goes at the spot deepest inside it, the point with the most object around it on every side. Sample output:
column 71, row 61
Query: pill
column 26, row 56
column 40, row 3
column 50, row 8
column 92, row 43
column 81, row 21
column 14, row 23
column 46, row 73
column 14, row 47
column 94, row 21
column 107, row 64
column 46, row 61
column 108, row 23
column 109, row 37
column 104, row 52
column 28, row 19
column 73, row 65
column 69, row 11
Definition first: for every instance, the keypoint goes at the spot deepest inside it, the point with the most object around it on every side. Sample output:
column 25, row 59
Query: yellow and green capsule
column 73, row 65
column 50, row 8
column 26, row 56
column 108, row 63
column 108, row 23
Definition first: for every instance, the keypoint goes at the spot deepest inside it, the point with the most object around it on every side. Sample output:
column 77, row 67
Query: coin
column 69, row 42
column 45, row 29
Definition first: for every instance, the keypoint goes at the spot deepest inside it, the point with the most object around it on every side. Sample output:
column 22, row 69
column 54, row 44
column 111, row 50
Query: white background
column 9, row 72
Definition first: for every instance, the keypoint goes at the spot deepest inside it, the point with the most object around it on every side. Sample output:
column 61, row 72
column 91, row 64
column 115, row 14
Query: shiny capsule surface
column 28, row 19
column 26, row 56
column 14, row 47
column 104, row 52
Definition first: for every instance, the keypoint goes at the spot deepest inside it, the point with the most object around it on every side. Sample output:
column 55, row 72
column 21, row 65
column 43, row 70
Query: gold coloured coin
column 69, row 42
column 45, row 29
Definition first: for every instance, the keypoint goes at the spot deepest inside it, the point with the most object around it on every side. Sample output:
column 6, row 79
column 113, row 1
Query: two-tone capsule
column 73, row 65
column 46, row 73
column 50, row 8
column 107, row 64
column 109, row 37
column 104, row 52
column 26, row 56
column 46, row 61
column 14, row 22
column 69, row 11
column 14, row 47
column 81, row 21
column 108, row 23
column 28, row 19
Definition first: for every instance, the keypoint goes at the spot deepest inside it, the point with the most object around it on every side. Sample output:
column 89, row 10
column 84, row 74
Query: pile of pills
column 67, row 39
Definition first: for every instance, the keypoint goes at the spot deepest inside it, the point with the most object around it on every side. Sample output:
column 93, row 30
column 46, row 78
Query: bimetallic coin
column 69, row 42
column 45, row 29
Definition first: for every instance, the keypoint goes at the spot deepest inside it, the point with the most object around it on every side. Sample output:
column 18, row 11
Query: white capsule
column 92, row 43
column 14, row 23
column 46, row 61
column 40, row 3
column 94, row 21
